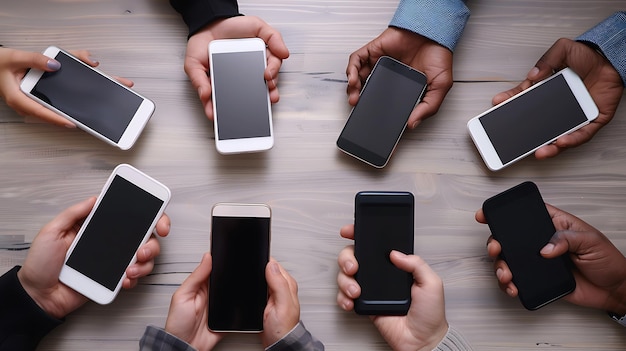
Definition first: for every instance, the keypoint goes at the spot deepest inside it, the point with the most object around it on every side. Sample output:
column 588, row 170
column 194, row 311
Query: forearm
column 453, row 341
column 297, row 339
column 199, row 13
column 440, row 21
column 609, row 37
column 22, row 323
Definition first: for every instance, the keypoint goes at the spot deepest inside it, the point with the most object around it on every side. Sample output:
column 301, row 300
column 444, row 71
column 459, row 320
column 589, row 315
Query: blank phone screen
column 533, row 119
column 237, row 286
column 383, row 223
column 88, row 97
column 241, row 101
column 378, row 119
column 518, row 219
column 114, row 232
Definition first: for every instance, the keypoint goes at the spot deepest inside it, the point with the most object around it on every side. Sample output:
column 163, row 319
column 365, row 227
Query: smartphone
column 124, row 216
column 533, row 118
column 519, row 220
column 240, row 248
column 242, row 114
column 383, row 221
column 376, row 123
column 92, row 100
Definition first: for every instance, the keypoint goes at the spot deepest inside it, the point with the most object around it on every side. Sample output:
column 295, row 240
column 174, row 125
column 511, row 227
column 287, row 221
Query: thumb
column 71, row 216
column 564, row 241
column 421, row 271
column 277, row 283
column 199, row 277
column 36, row 60
column 552, row 60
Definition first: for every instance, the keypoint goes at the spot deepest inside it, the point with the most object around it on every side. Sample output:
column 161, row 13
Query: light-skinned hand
column 410, row 48
column 599, row 76
column 425, row 325
column 282, row 312
column 188, row 314
column 13, row 66
column 600, row 268
column 197, row 56
column 40, row 273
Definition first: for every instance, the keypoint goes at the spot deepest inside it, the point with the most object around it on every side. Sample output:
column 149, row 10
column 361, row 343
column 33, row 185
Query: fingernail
column 274, row 268
column 547, row 249
column 415, row 124
column 200, row 92
column 348, row 267
column 147, row 252
column 499, row 273
column 509, row 291
column 533, row 72
column 70, row 126
column 352, row 290
column 132, row 272
column 53, row 64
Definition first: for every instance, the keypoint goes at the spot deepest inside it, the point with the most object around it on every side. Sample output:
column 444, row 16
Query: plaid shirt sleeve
column 157, row 339
column 298, row 339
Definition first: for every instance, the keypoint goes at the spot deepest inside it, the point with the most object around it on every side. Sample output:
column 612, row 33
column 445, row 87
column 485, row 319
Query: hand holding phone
column 92, row 100
column 242, row 115
column 536, row 117
column 123, row 218
column 379, row 118
column 240, row 247
column 383, row 221
column 519, row 221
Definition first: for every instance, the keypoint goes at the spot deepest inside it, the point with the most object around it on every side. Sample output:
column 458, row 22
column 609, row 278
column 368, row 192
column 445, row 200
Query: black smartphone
column 519, row 220
column 376, row 123
column 240, row 248
column 383, row 221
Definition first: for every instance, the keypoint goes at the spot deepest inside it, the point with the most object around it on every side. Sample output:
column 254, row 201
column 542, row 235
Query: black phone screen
column 519, row 220
column 533, row 119
column 237, row 285
column 240, row 95
column 378, row 119
column 114, row 232
column 88, row 97
column 383, row 222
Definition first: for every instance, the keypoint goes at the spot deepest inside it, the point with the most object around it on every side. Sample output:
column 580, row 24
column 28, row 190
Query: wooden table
column 307, row 181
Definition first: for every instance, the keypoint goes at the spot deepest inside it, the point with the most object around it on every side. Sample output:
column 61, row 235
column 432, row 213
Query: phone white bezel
column 87, row 286
column 133, row 130
column 486, row 148
column 245, row 210
column 242, row 145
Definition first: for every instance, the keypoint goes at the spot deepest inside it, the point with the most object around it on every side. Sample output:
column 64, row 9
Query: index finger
column 347, row 231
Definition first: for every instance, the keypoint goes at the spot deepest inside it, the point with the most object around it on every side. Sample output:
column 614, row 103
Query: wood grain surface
column 309, row 184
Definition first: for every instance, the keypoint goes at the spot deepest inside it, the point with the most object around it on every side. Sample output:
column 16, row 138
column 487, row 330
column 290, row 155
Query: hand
column 188, row 315
column 40, row 274
column 599, row 76
column 417, row 51
column 13, row 67
column 197, row 56
column 600, row 271
column 282, row 312
column 425, row 325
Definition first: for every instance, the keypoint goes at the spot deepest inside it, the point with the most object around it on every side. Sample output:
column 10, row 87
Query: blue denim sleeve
column 442, row 21
column 609, row 36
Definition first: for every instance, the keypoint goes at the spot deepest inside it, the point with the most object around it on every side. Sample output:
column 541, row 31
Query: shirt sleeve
column 453, row 341
column 298, row 339
column 442, row 21
column 609, row 36
column 22, row 322
column 199, row 13
column 155, row 339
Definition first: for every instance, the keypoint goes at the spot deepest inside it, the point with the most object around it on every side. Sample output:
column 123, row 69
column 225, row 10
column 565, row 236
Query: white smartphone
column 535, row 117
column 122, row 220
column 240, row 248
column 94, row 101
column 242, row 114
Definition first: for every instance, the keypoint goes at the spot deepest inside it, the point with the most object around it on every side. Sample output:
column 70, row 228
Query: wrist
column 617, row 303
column 38, row 297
